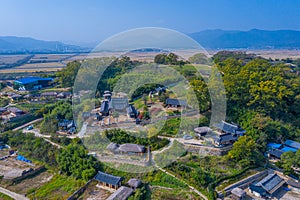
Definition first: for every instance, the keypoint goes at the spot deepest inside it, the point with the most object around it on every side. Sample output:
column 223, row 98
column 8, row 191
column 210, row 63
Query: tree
column 199, row 58
column 243, row 151
column 74, row 160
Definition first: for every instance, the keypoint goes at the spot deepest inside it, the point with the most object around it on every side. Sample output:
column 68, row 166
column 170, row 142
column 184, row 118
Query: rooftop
column 28, row 80
column 108, row 178
column 292, row 144
column 238, row 192
column 132, row 148
column 286, row 149
column 176, row 102
column 276, row 152
column 271, row 183
column 135, row 183
column 230, row 127
column 121, row 194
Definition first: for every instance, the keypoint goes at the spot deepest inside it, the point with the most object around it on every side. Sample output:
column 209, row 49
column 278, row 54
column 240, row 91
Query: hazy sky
column 95, row 20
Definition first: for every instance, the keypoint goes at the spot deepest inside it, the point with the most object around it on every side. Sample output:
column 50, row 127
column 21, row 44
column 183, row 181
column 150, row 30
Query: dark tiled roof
column 276, row 152
column 292, row 144
column 132, row 148
column 121, row 194
column 270, row 182
column 225, row 138
column 134, row 183
column 118, row 103
column 131, row 109
column 104, row 107
column 176, row 102
column 229, row 128
column 257, row 189
column 108, row 178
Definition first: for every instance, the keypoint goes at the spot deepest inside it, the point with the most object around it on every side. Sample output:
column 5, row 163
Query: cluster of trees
column 200, row 58
column 169, row 59
column 31, row 147
column 72, row 160
column 289, row 161
column 53, row 113
column 120, row 137
column 66, row 76
column 263, row 97
column 75, row 161
column 245, row 152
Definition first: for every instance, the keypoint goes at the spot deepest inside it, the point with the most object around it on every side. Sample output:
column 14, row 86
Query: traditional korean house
column 134, row 183
column 67, row 125
column 118, row 104
column 123, row 193
column 267, row 186
column 64, row 95
column 202, row 131
column 275, row 153
column 234, row 129
column 225, row 139
column 15, row 111
column 131, row 111
column 49, row 95
column 108, row 180
column 131, row 149
column 104, row 108
column 175, row 103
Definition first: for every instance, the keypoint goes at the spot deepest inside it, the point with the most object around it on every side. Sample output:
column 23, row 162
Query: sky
column 96, row 20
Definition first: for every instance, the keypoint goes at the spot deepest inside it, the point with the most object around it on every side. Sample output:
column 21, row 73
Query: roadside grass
column 5, row 197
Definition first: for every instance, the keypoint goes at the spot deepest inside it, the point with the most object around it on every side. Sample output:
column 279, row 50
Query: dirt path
column 27, row 124
column 13, row 194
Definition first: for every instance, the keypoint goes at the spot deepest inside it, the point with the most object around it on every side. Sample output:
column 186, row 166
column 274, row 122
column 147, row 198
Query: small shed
column 123, row 193
column 201, row 131
column 134, row 183
column 238, row 193
column 175, row 103
column 293, row 144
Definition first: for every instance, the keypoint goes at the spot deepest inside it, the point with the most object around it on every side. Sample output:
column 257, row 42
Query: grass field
column 5, row 197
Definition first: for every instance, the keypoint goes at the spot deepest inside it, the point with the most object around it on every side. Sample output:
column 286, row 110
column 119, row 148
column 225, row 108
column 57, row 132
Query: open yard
column 11, row 168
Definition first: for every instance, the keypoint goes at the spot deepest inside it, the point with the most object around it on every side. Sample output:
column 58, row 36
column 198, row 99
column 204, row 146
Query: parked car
column 29, row 128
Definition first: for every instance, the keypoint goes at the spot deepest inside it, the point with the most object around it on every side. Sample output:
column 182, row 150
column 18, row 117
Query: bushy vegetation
column 120, row 137
column 32, row 147
column 74, row 161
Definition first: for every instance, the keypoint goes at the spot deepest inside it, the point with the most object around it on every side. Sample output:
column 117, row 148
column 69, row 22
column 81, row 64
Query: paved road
column 27, row 124
column 13, row 194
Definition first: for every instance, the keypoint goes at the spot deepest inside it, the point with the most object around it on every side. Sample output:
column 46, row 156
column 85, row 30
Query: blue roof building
column 293, row 144
column 274, row 145
column 29, row 83
column 286, row 149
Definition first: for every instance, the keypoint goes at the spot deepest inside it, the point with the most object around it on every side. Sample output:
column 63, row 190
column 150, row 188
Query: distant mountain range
column 209, row 39
column 253, row 39
column 12, row 44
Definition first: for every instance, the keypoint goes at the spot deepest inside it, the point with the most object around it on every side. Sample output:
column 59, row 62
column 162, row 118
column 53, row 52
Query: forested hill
column 252, row 39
